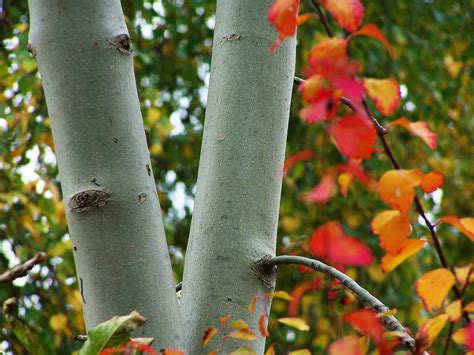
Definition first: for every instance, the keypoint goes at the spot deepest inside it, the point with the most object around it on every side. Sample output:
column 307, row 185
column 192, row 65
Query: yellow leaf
column 454, row 311
column 297, row 323
column 300, row 352
column 243, row 350
column 469, row 307
column 58, row 322
column 239, row 323
column 385, row 93
column 430, row 329
column 243, row 334
column 280, row 294
column 393, row 227
column 433, row 286
column 411, row 247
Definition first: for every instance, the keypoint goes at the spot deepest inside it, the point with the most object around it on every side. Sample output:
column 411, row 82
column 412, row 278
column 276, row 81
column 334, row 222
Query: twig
column 448, row 339
column 267, row 264
column 21, row 270
column 321, row 17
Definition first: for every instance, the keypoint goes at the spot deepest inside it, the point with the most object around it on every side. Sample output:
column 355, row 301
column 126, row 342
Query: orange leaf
column 348, row 13
column 329, row 241
column 167, row 351
column 328, row 58
column 433, row 286
column 431, row 181
column 396, row 188
column 429, row 330
column 283, row 14
column 393, row 228
column 348, row 345
column 385, row 93
column 465, row 225
column 411, row 247
column 208, row 334
column 224, row 319
column 293, row 159
column 243, row 334
column 469, row 307
column 296, row 295
column 355, row 136
column 297, row 323
column 252, row 304
column 303, row 18
column 371, row 30
column 322, row 192
column 262, row 325
column 366, row 321
column 418, row 128
column 454, row 311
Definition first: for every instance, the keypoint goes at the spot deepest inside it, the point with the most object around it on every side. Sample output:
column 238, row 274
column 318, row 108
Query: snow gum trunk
column 86, row 65
column 240, row 173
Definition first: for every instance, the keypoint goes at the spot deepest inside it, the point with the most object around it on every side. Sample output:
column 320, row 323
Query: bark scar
column 88, row 200
column 123, row 42
column 232, row 37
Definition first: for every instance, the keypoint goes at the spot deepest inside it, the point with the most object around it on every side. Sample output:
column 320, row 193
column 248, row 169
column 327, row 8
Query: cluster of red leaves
column 331, row 78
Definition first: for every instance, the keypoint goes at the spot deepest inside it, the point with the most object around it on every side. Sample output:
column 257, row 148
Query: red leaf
column 366, row 321
column 296, row 295
column 293, row 159
column 385, row 93
column 283, row 14
column 348, row 13
column 418, row 128
column 322, row 192
column 371, row 30
column 262, row 326
column 330, row 242
column 355, row 136
column 348, row 345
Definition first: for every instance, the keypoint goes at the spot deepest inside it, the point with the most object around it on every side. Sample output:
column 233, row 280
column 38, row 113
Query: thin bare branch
column 22, row 269
column 267, row 264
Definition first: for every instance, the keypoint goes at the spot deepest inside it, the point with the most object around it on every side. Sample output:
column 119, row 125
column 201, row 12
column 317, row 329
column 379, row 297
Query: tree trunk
column 240, row 172
column 82, row 50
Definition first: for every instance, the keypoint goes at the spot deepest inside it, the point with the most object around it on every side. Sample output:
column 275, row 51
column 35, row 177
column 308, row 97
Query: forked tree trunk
column 240, row 172
column 112, row 208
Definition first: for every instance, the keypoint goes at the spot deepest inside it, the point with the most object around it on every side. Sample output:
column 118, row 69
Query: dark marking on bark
column 88, row 200
column 75, row 248
column 142, row 197
column 229, row 299
column 94, row 44
column 148, row 169
column 232, row 37
column 123, row 42
column 115, row 140
column 32, row 49
column 95, row 182
column 81, row 286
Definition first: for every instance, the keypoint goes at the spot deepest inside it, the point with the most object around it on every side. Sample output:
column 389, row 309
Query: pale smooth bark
column 240, row 172
column 109, row 191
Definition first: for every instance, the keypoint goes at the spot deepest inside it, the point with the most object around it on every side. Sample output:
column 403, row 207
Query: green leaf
column 111, row 333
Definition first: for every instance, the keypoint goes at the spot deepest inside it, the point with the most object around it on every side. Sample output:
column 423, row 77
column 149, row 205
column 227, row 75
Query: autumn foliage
column 331, row 82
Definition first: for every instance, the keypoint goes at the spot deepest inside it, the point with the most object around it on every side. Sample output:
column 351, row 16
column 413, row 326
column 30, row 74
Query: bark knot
column 123, row 42
column 88, row 200
column 265, row 271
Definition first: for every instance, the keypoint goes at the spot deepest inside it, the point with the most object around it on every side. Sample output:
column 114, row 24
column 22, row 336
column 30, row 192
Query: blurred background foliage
column 172, row 41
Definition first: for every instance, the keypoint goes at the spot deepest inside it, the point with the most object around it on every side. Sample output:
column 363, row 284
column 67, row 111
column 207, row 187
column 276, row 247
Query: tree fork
column 112, row 208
